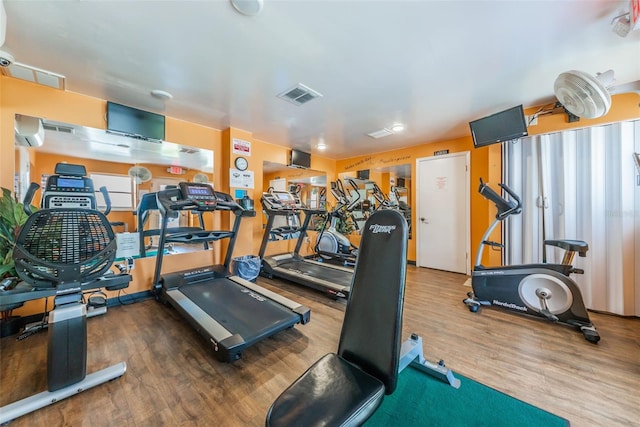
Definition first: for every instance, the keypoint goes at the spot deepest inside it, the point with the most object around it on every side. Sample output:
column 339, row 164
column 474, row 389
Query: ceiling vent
column 35, row 75
column 299, row 94
column 380, row 133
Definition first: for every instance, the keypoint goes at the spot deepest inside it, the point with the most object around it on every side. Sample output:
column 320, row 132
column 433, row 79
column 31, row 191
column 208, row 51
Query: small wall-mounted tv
column 135, row 123
column 401, row 182
column 499, row 127
column 300, row 159
column 363, row 174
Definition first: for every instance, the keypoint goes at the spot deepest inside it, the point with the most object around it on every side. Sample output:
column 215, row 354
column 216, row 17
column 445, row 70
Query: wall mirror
column 128, row 167
column 394, row 182
column 307, row 183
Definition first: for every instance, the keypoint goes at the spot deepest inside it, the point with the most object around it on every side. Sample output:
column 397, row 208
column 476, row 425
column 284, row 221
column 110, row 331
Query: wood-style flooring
column 172, row 378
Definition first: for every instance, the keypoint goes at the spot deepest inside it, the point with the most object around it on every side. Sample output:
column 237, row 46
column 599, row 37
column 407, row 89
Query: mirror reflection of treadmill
column 231, row 313
column 332, row 279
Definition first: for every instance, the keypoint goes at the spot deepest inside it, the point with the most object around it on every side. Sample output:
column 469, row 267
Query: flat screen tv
column 499, row 127
column 133, row 122
column 300, row 159
column 363, row 174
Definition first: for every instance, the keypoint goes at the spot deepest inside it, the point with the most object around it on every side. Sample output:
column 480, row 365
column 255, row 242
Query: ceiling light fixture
column 248, row 7
column 397, row 127
column 321, row 146
column 622, row 24
column 161, row 94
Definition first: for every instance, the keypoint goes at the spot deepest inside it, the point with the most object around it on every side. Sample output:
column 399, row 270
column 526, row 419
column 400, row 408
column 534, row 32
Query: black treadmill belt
column 238, row 309
column 332, row 275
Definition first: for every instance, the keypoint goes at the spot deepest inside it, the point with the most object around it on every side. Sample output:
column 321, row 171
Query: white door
column 443, row 230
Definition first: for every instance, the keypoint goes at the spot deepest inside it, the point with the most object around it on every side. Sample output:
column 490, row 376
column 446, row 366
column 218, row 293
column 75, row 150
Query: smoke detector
column 248, row 7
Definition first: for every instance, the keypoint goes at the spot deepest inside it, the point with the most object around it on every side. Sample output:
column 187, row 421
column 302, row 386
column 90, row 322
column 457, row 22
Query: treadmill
column 332, row 279
column 229, row 312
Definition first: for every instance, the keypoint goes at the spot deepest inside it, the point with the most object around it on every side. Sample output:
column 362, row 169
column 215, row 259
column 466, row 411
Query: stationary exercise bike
column 331, row 244
column 539, row 290
column 63, row 251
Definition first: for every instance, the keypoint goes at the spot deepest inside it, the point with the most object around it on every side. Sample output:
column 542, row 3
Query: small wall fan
column 201, row 178
column 140, row 174
column 584, row 95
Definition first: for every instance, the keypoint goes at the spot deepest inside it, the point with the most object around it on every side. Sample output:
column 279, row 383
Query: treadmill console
column 200, row 195
column 281, row 200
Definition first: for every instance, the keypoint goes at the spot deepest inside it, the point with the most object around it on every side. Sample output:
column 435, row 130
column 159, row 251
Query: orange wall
column 250, row 237
column 20, row 97
column 479, row 160
column 17, row 96
column 486, row 162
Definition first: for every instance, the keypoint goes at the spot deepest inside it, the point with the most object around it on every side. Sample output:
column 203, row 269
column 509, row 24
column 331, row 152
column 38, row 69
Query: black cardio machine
column 539, row 290
column 229, row 312
column 61, row 252
column 334, row 280
column 330, row 243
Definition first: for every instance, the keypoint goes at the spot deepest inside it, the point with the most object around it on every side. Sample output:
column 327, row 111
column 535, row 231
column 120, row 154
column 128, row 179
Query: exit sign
column 175, row 170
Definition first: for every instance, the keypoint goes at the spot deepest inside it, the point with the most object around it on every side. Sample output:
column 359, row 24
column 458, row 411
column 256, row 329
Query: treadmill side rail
column 303, row 311
column 206, row 322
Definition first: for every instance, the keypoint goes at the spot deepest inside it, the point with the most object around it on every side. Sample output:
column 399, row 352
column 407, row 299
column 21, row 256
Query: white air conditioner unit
column 28, row 131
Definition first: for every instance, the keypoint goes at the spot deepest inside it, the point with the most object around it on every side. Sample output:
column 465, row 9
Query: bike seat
column 579, row 246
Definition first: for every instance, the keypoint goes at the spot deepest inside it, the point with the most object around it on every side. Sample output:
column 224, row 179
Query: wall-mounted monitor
column 363, row 174
column 135, row 123
column 499, row 127
column 300, row 159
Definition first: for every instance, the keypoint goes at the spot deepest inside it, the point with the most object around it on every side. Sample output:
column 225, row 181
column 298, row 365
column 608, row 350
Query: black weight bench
column 345, row 388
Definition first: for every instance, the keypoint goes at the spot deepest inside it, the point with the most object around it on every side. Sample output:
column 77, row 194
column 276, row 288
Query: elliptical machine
column 330, row 243
column 538, row 290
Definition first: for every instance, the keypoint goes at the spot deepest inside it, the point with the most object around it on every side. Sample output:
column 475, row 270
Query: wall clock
column 241, row 163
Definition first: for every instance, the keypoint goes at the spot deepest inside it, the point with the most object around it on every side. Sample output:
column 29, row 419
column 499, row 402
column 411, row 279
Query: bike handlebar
column 505, row 207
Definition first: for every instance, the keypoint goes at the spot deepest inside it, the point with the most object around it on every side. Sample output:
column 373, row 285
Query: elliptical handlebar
column 337, row 190
column 505, row 207
column 353, row 203
column 383, row 200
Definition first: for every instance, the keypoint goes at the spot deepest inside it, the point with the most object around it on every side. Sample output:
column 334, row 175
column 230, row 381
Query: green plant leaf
column 12, row 217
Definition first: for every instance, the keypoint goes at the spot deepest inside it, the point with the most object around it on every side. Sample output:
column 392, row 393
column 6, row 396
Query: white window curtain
column 583, row 185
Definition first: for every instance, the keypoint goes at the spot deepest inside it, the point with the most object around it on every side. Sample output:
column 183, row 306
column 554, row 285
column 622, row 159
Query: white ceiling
column 432, row 65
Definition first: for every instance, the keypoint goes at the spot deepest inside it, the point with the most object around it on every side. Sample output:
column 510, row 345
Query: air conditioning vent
column 189, row 150
column 299, row 94
column 35, row 75
column 57, row 128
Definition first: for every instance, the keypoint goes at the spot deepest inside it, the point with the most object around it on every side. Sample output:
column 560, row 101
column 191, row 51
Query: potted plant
column 12, row 217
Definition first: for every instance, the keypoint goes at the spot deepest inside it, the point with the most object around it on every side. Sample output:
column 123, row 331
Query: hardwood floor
column 173, row 379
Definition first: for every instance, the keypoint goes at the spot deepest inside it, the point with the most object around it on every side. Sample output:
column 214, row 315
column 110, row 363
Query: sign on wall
column 240, row 179
column 241, row 147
